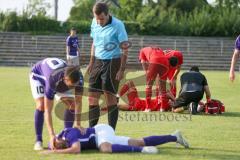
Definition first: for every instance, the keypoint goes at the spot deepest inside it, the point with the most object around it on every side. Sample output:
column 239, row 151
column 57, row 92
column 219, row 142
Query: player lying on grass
column 103, row 138
column 135, row 103
column 49, row 77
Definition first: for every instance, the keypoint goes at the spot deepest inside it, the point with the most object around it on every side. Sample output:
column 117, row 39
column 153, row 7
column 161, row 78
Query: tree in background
column 82, row 10
column 37, row 8
column 228, row 3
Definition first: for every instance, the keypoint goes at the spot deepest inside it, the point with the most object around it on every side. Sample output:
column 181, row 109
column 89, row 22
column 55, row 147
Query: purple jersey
column 72, row 135
column 72, row 43
column 50, row 72
column 237, row 43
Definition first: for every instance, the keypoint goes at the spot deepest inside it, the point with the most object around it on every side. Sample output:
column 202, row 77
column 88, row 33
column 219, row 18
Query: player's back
column 193, row 81
column 151, row 54
column 47, row 66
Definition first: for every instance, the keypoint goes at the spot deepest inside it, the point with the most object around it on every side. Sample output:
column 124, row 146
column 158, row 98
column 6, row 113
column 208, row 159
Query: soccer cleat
column 193, row 108
column 180, row 139
column 38, row 146
column 150, row 150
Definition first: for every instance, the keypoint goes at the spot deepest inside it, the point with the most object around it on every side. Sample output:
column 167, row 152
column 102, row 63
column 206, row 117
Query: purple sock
column 39, row 119
column 157, row 140
column 117, row 148
column 68, row 118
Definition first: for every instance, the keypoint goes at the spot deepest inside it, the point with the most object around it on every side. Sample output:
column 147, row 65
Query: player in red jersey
column 156, row 64
column 135, row 103
column 174, row 71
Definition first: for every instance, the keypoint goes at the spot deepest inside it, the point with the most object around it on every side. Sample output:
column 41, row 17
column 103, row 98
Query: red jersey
column 178, row 54
column 151, row 55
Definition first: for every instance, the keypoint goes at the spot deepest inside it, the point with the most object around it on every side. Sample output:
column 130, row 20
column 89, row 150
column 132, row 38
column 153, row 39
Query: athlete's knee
column 40, row 104
column 93, row 100
column 136, row 142
column 131, row 84
column 105, row 147
column 69, row 102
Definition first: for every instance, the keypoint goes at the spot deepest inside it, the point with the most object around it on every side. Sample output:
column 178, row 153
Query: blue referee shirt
column 114, row 32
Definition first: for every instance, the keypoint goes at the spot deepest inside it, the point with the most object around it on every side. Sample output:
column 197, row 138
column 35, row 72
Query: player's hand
column 208, row 100
column 119, row 75
column 82, row 130
column 232, row 76
column 52, row 140
column 89, row 68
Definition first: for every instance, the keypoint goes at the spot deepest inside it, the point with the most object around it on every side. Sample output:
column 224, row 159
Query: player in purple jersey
column 103, row 138
column 72, row 48
column 49, row 77
column 234, row 59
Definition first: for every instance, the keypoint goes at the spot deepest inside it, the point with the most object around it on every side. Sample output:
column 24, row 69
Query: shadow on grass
column 198, row 153
column 226, row 114
column 231, row 114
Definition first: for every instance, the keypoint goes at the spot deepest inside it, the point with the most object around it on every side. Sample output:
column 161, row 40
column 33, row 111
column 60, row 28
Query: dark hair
column 73, row 73
column 173, row 61
column 194, row 68
column 73, row 29
column 61, row 144
column 100, row 8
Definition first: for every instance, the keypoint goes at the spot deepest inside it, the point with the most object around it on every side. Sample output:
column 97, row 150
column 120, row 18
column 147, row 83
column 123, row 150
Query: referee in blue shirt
column 107, row 63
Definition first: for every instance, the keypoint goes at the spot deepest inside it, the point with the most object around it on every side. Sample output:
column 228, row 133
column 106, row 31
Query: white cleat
column 150, row 150
column 180, row 139
column 38, row 146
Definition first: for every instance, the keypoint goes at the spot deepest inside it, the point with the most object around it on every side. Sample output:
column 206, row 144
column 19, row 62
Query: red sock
column 164, row 102
column 123, row 90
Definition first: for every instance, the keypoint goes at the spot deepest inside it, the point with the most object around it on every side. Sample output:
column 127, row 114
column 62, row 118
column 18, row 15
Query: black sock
column 112, row 116
column 93, row 115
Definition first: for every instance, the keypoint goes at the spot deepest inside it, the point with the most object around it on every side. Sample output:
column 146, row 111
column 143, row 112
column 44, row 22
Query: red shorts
column 155, row 70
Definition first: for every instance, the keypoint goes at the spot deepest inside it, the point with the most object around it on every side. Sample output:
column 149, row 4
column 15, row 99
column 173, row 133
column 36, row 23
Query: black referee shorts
column 103, row 76
column 185, row 98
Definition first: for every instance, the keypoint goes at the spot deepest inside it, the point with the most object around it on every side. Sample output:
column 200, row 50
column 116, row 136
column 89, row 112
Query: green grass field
column 211, row 137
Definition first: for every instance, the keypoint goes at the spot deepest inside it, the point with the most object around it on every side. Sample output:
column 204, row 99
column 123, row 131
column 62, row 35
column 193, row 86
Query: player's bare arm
column 207, row 92
column 235, row 57
column 78, row 111
column 48, row 106
column 120, row 73
column 91, row 60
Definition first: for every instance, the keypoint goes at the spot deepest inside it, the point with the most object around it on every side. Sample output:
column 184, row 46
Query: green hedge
column 201, row 22
column 81, row 26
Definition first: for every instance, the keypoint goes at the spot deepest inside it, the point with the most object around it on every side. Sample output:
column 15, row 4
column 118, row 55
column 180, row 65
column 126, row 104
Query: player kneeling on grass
column 193, row 86
column 103, row 138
